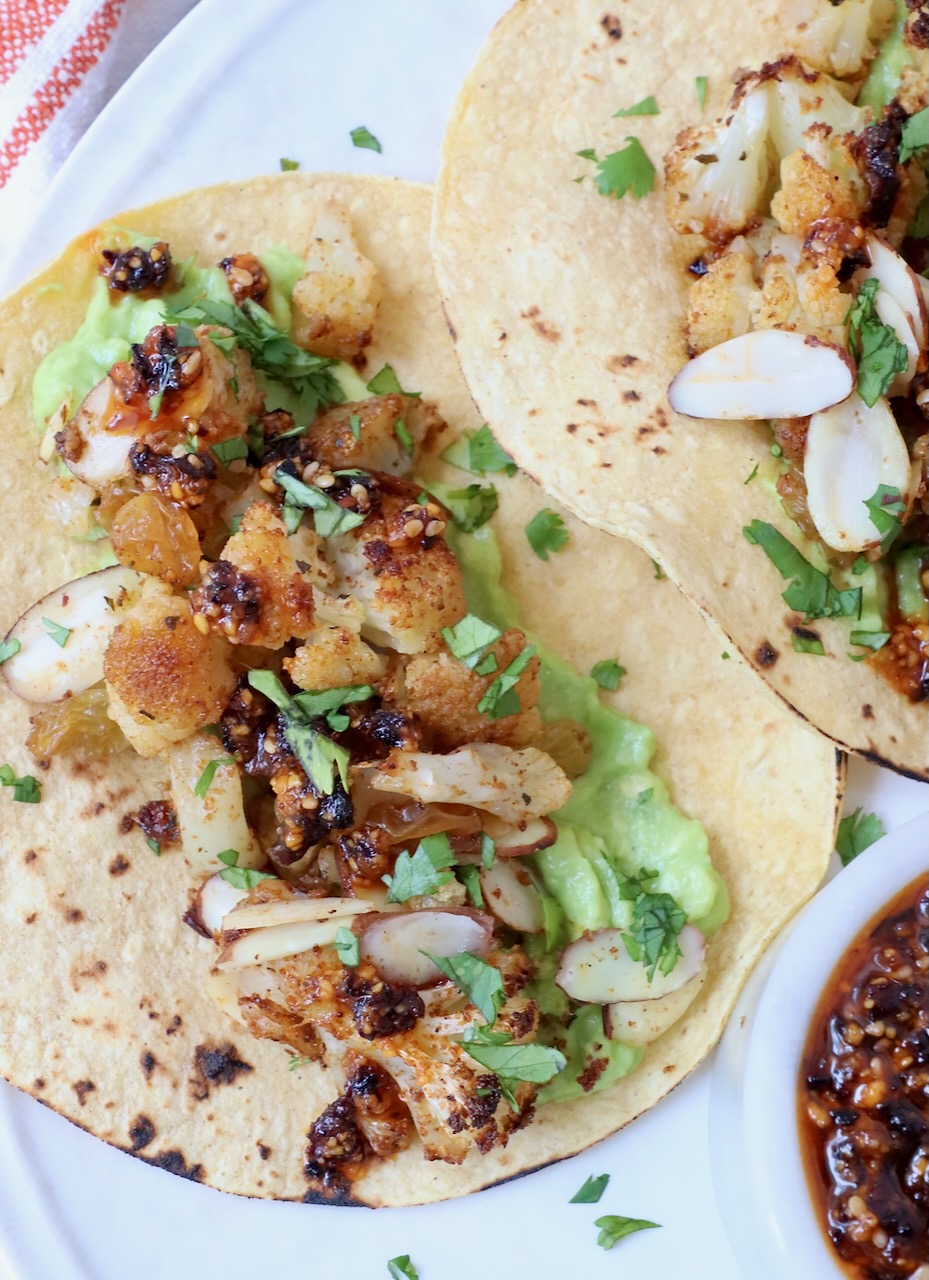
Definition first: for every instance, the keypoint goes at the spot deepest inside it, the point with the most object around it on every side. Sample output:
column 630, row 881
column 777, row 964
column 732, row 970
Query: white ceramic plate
column 234, row 88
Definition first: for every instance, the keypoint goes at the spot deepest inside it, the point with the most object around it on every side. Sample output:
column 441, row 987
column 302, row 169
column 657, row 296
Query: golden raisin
column 77, row 723
column 155, row 536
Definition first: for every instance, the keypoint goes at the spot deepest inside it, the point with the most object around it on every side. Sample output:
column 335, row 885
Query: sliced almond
column 850, row 451
column 106, row 429
column 263, row 915
column 260, row 946
column 88, row 609
column 768, row 373
column 518, row 841
column 510, row 894
column 639, row 1022
column 394, row 943
column 214, row 900
column 898, row 279
column 598, row 969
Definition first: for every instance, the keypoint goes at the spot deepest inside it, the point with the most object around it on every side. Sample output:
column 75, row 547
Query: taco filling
column 428, row 855
column 807, row 310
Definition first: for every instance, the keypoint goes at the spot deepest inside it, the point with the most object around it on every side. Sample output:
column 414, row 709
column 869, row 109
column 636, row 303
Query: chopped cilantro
column 385, row 382
column 776, row 450
column 470, row 877
column 647, row 107
column 205, row 781
column 328, row 702
column 469, row 639
column 421, row 872
column 608, row 673
column 488, row 850
column 807, row 642
column 501, row 698
column 657, row 920
column 886, row 506
column 857, row 832
column 319, row 756
column 627, row 170
column 348, row 946
column 154, row 845
column 243, row 878
column 700, row 85
column 810, row 591
column 288, row 166
column 362, row 137
column 401, row 1268
column 659, row 572
column 184, row 335
column 27, row 789
column 227, row 451
column 481, row 982
column 329, row 517
column 354, row 426
column 870, row 639
column 154, row 404
column 402, row 432
column 8, row 649
column 587, row 153
column 875, row 347
column 644, row 796
column 56, row 631
column 915, row 135
column 725, row 656
column 470, row 507
column 297, row 1061
column 614, row 1227
column 511, row 1063
column 750, row 477
column 546, row 533
column 479, row 452
column 592, row 1190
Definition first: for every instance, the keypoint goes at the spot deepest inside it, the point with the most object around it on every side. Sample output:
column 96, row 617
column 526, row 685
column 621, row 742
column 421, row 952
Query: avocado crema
column 558, row 901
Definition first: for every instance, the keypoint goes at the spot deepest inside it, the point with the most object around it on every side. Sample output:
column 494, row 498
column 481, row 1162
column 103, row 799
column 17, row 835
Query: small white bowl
column 758, row 1170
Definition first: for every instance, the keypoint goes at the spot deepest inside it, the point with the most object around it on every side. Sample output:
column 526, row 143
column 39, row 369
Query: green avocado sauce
column 893, row 58
column 619, row 819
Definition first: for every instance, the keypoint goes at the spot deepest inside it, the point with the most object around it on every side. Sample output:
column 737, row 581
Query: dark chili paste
column 863, row 1086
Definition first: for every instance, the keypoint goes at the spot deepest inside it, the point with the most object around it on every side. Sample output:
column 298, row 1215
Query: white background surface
column 231, row 91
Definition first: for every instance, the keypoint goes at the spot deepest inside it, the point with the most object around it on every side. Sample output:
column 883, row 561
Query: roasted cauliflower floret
column 838, row 39
column 809, row 192
column 444, row 694
column 333, row 657
column 398, row 565
column 335, row 303
column 721, row 302
column 801, row 292
column 719, row 178
column 164, row 678
column 365, row 434
column 254, row 594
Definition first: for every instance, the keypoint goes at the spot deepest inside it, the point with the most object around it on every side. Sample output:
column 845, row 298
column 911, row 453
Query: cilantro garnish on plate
column 857, row 832
column 592, row 1190
column 546, row 533
column 608, row 673
column 613, row 1228
column 647, row 107
column 27, row 789
column 810, row 591
column 365, row 139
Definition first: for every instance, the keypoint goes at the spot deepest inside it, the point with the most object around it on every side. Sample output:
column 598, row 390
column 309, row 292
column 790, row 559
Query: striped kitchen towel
column 60, row 63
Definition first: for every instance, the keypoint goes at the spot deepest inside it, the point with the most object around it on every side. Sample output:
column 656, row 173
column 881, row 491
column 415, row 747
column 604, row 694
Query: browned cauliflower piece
column 801, row 292
column 333, row 657
column 364, row 434
column 838, row 39
column 254, row 593
column 444, row 694
column 720, row 304
column 398, row 565
column 809, row 192
column 164, row 678
column 335, row 303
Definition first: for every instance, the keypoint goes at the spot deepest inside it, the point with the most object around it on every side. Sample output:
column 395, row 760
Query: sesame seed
column 413, row 528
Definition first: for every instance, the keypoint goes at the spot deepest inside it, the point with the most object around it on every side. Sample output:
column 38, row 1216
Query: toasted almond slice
column 638, row 1022
column 517, row 841
column 598, row 969
column 214, row 900
column 263, row 915
column 223, row 986
column 768, row 373
column 510, row 894
column 260, row 946
column 850, row 451
column 89, row 609
column 898, row 279
column 395, row 943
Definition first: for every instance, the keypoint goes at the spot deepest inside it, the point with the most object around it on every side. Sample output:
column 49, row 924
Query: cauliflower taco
column 731, row 371
column 351, row 851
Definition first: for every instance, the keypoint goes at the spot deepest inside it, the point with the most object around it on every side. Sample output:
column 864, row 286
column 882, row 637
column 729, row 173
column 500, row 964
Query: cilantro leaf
column 608, row 673
column 511, row 1063
column 700, row 84
column 421, row 872
column 385, row 382
column 469, row 639
column 347, row 944
column 153, row 845
column 470, row 507
column 271, row 350
column 470, row 877
column 329, row 518
column 546, row 533
column 886, row 506
column 876, row 349
column 318, row 756
column 591, row 1191
column 870, row 639
column 364, row 138
column 750, row 477
column 915, row 135
column 227, row 451
column 243, row 878
column 205, row 781
column 657, row 920
column 320, row 702
column 401, row 1268
column 402, row 432
column 297, row 1061
column 659, row 572
column 27, row 789
column 554, row 922
column 488, row 850
column 9, row 649
column 614, row 1227
column 627, row 170
column 479, row 452
column 481, row 982
column 804, row 641
column 500, row 698
column 810, row 591
column 56, row 631
column 857, row 832
column 647, row 107
column 288, row 166
column 354, row 426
